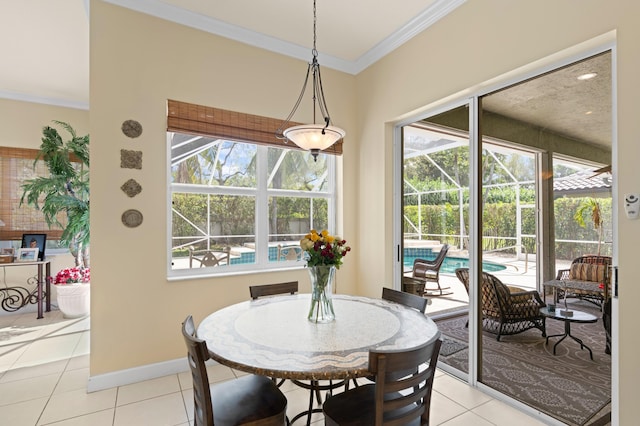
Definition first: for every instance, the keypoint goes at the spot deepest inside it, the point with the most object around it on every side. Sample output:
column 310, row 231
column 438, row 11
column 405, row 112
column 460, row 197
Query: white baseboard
column 137, row 374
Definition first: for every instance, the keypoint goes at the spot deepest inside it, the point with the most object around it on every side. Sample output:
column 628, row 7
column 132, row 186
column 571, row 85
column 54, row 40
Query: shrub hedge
column 499, row 223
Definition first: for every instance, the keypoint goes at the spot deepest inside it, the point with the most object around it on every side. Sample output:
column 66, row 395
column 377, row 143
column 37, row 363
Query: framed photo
column 38, row 241
column 7, row 251
column 28, row 254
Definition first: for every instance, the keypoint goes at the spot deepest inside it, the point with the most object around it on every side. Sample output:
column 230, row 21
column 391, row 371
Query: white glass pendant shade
column 314, row 136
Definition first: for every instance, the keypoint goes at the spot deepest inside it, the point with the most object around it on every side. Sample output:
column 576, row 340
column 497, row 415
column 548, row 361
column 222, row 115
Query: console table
column 14, row 298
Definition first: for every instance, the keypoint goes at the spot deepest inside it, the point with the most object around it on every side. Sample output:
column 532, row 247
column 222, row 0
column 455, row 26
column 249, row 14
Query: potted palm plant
column 64, row 193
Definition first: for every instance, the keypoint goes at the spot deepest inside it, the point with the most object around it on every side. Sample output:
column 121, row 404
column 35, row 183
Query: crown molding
column 187, row 18
column 23, row 97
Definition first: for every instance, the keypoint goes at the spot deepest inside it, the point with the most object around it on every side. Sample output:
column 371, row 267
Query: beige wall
column 137, row 63
column 22, row 122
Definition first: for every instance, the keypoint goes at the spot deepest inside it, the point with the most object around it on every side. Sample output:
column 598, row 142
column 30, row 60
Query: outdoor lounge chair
column 208, row 258
column 505, row 311
column 429, row 272
column 291, row 252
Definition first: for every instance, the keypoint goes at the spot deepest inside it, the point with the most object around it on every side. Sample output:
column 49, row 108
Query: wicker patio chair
column 506, row 312
column 429, row 272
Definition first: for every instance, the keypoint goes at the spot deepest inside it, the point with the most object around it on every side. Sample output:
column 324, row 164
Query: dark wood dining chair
column 273, row 289
column 263, row 290
column 249, row 400
column 400, row 395
column 407, row 299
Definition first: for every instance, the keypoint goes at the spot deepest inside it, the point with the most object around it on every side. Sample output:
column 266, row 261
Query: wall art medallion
column 132, row 218
column 130, row 159
column 132, row 128
column 131, row 188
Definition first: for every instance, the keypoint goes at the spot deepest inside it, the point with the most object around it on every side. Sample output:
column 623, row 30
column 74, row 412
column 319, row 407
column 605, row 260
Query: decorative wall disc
column 132, row 218
column 131, row 188
column 130, row 159
column 132, row 128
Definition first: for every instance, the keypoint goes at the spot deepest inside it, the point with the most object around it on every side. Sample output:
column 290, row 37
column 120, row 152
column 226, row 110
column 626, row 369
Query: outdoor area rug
column 568, row 386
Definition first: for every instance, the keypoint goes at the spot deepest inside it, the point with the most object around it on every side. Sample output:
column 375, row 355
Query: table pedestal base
column 567, row 333
column 315, row 387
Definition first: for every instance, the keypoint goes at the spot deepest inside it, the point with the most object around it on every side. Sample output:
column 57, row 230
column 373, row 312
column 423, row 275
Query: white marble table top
column 272, row 336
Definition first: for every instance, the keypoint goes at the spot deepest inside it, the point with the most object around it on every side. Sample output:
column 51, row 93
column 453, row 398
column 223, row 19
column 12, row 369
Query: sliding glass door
column 513, row 182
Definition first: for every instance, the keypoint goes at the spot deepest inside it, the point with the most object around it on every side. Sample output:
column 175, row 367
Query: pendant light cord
column 315, row 37
column 317, row 90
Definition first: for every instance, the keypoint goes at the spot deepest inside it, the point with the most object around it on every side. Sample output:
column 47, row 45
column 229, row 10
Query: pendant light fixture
column 313, row 137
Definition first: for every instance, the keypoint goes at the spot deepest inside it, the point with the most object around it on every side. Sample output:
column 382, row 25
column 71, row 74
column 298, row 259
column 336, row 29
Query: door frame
column 472, row 96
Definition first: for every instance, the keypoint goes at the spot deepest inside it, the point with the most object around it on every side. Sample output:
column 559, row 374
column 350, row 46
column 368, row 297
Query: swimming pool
column 450, row 263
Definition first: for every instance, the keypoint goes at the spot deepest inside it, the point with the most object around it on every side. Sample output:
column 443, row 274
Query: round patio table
column 577, row 317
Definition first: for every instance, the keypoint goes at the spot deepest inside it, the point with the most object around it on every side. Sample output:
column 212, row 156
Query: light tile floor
column 44, row 367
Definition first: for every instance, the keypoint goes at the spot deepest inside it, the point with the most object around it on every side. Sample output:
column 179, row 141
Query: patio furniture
column 248, row 400
column 208, row 258
column 578, row 317
column 506, row 312
column 587, row 279
column 429, row 272
column 401, row 394
column 413, row 286
column 293, row 252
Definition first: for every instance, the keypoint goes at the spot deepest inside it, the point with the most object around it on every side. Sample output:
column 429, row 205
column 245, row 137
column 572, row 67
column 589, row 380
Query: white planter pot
column 74, row 299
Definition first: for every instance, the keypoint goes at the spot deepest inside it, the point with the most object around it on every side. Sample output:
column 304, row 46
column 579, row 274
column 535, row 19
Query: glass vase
column 321, row 310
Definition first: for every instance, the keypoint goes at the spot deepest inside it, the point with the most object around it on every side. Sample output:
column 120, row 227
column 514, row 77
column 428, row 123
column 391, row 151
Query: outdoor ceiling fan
column 601, row 170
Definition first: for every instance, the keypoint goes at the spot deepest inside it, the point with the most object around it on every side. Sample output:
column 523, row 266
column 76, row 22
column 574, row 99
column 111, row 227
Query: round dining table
column 272, row 336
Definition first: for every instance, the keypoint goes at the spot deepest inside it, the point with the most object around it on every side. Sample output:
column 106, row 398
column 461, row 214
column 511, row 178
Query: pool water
column 410, row 254
column 449, row 265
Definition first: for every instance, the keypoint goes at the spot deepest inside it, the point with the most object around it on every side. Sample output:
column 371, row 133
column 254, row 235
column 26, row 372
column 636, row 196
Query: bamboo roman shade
column 16, row 166
column 231, row 125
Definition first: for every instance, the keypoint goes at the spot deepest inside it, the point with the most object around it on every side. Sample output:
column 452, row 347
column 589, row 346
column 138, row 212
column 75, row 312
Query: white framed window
column 238, row 206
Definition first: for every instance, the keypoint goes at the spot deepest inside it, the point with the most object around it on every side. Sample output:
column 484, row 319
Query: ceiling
column 50, row 57
column 562, row 103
